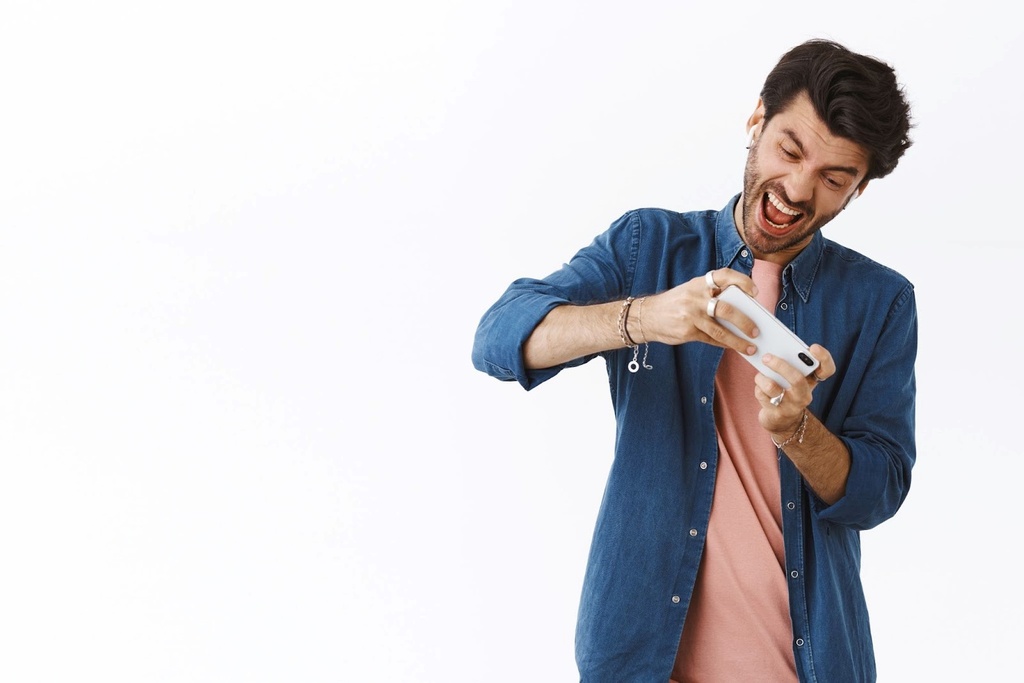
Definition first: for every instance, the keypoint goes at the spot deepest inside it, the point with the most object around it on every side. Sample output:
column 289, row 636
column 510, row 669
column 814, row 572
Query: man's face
column 798, row 177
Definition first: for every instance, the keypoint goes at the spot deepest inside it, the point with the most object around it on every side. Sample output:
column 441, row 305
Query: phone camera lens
column 805, row 358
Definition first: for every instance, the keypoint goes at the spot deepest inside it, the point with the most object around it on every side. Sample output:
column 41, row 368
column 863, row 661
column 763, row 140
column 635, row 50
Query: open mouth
column 777, row 214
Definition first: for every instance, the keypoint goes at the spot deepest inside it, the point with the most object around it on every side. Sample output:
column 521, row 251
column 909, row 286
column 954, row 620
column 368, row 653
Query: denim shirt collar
column 799, row 272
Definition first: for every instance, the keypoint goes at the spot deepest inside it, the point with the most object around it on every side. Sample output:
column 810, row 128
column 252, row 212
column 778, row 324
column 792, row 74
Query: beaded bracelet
column 798, row 434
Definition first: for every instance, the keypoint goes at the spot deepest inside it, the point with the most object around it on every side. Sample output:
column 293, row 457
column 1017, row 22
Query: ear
column 755, row 121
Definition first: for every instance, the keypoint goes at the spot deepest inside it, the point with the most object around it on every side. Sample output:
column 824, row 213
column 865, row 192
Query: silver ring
column 709, row 278
column 712, row 305
column 776, row 400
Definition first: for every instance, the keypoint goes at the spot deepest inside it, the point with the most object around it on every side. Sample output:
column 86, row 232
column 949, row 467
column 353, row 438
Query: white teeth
column 780, row 206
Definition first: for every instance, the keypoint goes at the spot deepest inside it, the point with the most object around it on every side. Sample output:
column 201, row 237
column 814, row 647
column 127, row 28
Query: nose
column 800, row 186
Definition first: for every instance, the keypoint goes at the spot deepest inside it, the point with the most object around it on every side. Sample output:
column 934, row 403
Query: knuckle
column 717, row 332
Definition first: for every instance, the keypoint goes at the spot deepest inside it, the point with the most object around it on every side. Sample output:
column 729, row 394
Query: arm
column 539, row 327
column 820, row 456
column 822, row 459
column 569, row 332
column 859, row 461
column 676, row 316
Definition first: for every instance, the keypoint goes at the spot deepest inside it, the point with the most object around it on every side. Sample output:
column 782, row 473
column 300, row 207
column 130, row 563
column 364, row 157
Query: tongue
column 775, row 216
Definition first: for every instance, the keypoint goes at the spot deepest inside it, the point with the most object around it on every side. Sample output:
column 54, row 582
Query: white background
column 243, row 251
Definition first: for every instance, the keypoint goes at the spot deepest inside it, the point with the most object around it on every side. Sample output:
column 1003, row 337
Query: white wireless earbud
column 750, row 136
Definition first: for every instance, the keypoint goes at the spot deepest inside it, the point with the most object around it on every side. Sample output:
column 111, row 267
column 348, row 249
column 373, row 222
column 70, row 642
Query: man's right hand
column 682, row 314
column 675, row 316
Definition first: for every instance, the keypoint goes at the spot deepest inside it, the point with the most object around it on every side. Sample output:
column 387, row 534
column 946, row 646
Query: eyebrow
column 791, row 134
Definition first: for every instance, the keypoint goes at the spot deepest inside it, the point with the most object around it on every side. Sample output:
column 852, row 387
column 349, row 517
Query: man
column 727, row 544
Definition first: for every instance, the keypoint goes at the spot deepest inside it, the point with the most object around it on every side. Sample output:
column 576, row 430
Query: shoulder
column 872, row 277
column 658, row 216
column 853, row 263
column 656, row 221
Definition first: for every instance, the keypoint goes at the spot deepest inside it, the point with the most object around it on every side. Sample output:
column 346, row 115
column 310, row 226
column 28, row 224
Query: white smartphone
column 774, row 338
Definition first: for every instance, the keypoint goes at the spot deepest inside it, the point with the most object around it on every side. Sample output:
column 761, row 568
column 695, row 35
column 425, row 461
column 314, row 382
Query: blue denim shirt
column 653, row 518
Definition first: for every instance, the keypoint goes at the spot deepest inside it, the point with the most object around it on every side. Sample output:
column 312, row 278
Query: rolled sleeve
column 877, row 485
column 879, row 432
column 598, row 273
column 504, row 329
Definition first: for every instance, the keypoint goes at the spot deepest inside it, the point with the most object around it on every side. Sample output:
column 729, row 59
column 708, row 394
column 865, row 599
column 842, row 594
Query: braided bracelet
column 623, row 314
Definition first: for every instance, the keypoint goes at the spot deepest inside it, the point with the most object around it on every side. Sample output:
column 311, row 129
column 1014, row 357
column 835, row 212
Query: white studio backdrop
column 243, row 251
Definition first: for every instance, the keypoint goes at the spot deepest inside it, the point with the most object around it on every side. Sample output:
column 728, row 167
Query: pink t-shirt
column 738, row 626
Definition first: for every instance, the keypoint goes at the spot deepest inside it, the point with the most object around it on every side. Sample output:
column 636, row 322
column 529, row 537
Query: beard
column 754, row 191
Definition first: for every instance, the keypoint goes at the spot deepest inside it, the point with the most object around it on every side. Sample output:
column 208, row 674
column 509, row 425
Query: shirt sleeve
column 879, row 431
column 598, row 273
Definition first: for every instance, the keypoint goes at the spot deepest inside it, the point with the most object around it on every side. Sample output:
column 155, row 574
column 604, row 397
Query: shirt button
column 704, row 400
column 794, row 573
column 791, row 505
column 703, row 465
column 743, row 253
column 675, row 599
column 784, row 306
column 799, row 642
column 693, row 532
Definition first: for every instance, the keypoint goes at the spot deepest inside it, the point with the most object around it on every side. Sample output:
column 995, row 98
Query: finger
column 723, row 277
column 722, row 335
column 788, row 372
column 769, row 387
column 724, row 311
column 826, row 365
column 765, row 389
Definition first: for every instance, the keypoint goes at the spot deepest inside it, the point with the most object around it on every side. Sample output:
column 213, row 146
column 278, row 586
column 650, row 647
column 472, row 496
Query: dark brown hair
column 856, row 96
